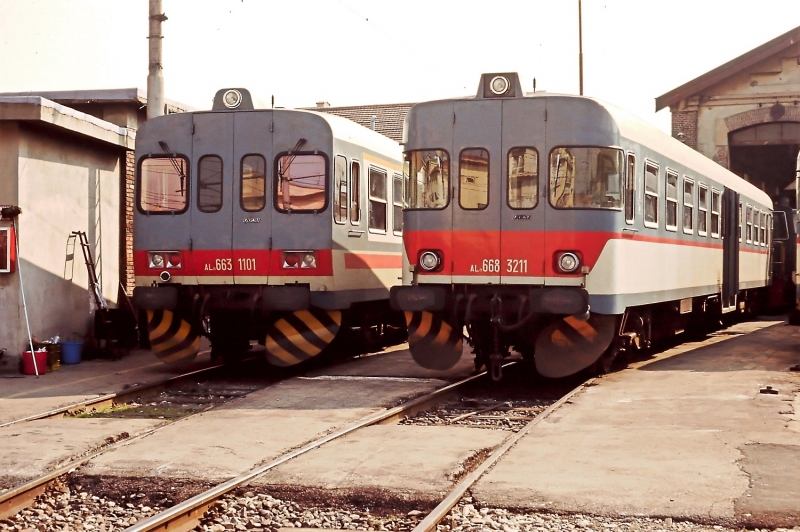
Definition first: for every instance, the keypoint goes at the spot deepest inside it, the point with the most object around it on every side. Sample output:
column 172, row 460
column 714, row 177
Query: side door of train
column 476, row 205
column 523, row 197
column 252, row 198
column 212, row 197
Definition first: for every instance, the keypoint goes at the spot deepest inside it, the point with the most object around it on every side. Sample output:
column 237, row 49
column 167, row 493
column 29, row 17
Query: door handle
column 354, row 234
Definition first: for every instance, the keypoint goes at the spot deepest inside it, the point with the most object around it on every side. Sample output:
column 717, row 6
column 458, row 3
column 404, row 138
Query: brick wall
column 127, row 223
column 685, row 122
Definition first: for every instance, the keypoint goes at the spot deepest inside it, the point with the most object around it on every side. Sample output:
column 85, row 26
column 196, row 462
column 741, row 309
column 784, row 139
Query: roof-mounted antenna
column 534, row 84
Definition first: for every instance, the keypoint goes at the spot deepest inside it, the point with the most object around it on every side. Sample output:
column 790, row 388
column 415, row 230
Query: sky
column 351, row 52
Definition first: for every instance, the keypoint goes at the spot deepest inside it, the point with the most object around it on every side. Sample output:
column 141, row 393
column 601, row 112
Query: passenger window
column 762, row 217
column 749, row 220
column 523, row 178
column 163, row 183
column 473, row 178
column 253, row 188
column 740, row 221
column 429, row 181
column 377, row 199
column 340, row 189
column 702, row 206
column 688, row 205
column 209, row 183
column 586, row 178
column 301, row 183
column 650, row 195
column 715, row 210
column 630, row 189
column 355, row 193
column 397, row 204
column 672, row 201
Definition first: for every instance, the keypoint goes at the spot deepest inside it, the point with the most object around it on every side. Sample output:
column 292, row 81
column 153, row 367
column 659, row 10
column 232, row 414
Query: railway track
column 170, row 390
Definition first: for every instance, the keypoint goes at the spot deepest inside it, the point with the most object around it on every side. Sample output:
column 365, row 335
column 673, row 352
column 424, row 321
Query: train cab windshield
column 163, row 185
column 429, row 179
column 300, row 183
column 586, row 178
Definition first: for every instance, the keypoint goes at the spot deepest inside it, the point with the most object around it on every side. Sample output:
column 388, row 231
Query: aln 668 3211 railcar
column 565, row 229
column 275, row 225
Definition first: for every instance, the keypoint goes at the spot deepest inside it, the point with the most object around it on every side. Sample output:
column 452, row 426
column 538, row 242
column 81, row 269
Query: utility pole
column 580, row 49
column 155, row 76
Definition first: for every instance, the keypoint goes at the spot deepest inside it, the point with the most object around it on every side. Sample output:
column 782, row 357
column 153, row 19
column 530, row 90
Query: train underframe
column 282, row 318
column 552, row 328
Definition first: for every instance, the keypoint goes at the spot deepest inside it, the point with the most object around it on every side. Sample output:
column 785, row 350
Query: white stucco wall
column 64, row 184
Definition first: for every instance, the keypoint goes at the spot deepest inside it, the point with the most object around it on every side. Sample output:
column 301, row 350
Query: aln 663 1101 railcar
column 565, row 229
column 280, row 226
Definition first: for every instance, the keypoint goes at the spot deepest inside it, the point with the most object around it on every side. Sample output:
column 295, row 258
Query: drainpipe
column 155, row 76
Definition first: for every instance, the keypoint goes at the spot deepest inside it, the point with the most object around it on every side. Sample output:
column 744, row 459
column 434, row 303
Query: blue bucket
column 71, row 352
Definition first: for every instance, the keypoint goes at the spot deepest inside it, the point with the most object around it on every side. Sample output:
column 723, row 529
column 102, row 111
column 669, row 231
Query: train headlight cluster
column 499, row 85
column 165, row 259
column 299, row 259
column 429, row 261
column 568, row 262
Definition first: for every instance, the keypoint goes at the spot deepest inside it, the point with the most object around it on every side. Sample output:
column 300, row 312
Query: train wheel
column 301, row 335
column 569, row 345
column 172, row 339
column 433, row 343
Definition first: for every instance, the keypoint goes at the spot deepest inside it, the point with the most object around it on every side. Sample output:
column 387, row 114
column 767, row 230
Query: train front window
column 163, row 185
column 429, row 179
column 586, row 178
column 523, row 178
column 209, row 183
column 473, row 178
column 254, row 183
column 301, row 184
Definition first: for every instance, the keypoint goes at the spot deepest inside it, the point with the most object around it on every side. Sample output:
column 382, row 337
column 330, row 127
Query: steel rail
column 186, row 515
column 118, row 397
column 437, row 514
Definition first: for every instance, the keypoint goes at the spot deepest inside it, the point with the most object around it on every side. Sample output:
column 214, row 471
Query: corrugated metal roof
column 389, row 118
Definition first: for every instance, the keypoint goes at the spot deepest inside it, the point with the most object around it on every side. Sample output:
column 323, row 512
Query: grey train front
column 279, row 226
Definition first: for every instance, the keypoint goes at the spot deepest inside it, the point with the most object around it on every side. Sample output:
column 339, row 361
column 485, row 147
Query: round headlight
column 309, row 261
column 499, row 85
column 568, row 262
column 157, row 260
column 429, row 261
column 232, row 98
column 174, row 260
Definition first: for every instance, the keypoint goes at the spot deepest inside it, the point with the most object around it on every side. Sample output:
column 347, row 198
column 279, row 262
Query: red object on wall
column 8, row 250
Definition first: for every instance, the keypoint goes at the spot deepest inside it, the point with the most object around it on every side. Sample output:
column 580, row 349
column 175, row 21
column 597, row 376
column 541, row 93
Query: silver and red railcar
column 280, row 226
column 567, row 230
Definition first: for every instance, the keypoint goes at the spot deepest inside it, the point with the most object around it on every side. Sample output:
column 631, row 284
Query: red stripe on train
column 239, row 262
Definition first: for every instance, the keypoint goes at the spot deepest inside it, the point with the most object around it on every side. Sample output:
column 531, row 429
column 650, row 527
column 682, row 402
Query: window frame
column 656, row 194
column 748, row 218
column 337, row 196
column 621, row 208
column 630, row 179
column 740, row 222
column 384, row 201
column 688, row 181
column 276, row 175
column 354, row 191
column 398, row 202
column 702, row 210
column 667, row 175
column 6, row 262
column 221, row 182
column 488, row 178
column 449, row 180
column 241, row 182
column 762, row 236
column 718, row 212
column 508, row 178
column 187, row 185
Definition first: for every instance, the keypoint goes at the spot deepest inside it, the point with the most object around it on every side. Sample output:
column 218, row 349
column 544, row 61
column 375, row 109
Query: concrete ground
column 24, row 395
column 689, row 435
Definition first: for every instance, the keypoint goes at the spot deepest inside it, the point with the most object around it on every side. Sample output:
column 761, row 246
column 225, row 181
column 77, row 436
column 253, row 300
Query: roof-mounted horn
column 499, row 85
column 232, row 100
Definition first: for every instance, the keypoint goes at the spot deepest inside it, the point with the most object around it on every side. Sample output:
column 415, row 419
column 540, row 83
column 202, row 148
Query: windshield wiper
column 175, row 164
column 293, row 153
